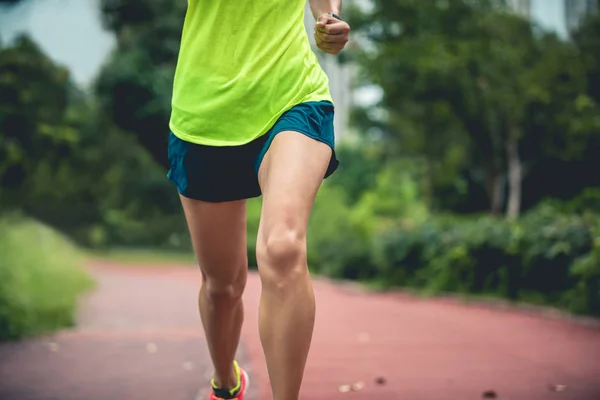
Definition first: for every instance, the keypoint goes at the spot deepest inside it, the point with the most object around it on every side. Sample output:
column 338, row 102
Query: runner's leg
column 290, row 175
column 218, row 232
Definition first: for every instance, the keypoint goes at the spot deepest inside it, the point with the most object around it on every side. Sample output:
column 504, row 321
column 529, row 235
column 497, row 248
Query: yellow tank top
column 241, row 65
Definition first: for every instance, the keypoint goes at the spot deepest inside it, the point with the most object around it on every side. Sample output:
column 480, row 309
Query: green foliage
column 135, row 85
column 585, row 295
column 587, row 39
column 358, row 169
column 340, row 233
column 586, row 201
column 40, row 279
column 396, row 194
column 463, row 82
column 253, row 207
column 34, row 130
column 338, row 237
column 145, row 256
column 546, row 257
column 63, row 163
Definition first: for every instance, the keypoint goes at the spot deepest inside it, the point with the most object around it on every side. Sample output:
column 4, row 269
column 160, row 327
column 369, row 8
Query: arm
column 331, row 33
column 320, row 7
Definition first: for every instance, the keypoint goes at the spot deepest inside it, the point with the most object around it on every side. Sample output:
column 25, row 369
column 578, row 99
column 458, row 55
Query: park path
column 139, row 337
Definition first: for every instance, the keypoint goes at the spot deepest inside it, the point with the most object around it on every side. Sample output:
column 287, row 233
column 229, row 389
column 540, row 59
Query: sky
column 68, row 30
column 550, row 15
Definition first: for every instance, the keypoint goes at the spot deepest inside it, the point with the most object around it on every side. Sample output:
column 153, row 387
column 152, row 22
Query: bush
column 339, row 237
column 546, row 258
column 338, row 244
column 584, row 296
column 550, row 256
column 341, row 230
column 156, row 231
column 40, row 279
column 360, row 164
column 587, row 201
column 253, row 207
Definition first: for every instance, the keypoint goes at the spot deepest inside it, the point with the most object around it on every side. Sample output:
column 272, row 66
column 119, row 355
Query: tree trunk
column 428, row 183
column 515, row 177
column 494, row 187
column 497, row 194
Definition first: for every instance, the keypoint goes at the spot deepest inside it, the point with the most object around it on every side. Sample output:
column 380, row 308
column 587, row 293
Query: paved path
column 388, row 346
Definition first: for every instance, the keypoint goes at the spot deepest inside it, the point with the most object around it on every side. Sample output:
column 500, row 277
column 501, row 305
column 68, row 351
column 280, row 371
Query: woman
column 251, row 115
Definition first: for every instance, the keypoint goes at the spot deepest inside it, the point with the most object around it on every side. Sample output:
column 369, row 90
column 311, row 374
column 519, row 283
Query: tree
column 62, row 162
column 134, row 88
column 34, row 95
column 587, row 39
column 464, row 77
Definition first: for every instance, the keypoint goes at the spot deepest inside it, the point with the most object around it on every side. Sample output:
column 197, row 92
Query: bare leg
column 290, row 176
column 218, row 232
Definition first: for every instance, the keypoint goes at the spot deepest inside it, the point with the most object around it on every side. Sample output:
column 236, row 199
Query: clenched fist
column 331, row 34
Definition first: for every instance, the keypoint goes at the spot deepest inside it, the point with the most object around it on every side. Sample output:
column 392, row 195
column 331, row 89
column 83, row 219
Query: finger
column 341, row 38
column 336, row 28
column 324, row 47
column 328, row 37
column 325, row 20
column 321, row 36
column 330, row 49
column 322, row 21
column 331, row 41
column 336, row 48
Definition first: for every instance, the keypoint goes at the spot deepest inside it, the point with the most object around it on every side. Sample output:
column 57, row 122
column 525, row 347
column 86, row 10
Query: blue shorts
column 228, row 173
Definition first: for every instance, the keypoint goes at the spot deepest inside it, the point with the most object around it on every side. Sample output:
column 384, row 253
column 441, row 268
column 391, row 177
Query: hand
column 331, row 34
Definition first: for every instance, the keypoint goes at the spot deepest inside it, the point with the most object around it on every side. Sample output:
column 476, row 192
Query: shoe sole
column 247, row 381
column 203, row 395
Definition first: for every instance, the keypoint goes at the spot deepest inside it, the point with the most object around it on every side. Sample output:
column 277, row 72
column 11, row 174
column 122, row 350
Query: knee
column 281, row 255
column 281, row 248
column 225, row 288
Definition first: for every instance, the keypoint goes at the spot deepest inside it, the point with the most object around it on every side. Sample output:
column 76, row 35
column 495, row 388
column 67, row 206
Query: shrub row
column 548, row 257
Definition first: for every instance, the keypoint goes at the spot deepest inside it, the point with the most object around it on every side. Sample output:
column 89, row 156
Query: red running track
column 139, row 337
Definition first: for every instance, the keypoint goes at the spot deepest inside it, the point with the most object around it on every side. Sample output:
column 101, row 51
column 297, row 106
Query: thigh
column 218, row 232
column 290, row 175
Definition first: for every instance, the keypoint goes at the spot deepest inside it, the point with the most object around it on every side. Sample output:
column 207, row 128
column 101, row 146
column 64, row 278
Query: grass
column 41, row 279
column 144, row 257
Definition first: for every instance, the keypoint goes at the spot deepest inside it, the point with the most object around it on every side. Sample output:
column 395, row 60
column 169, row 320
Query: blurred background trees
column 485, row 100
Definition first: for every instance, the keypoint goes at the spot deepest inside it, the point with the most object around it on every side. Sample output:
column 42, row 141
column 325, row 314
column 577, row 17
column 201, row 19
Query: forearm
column 320, row 7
